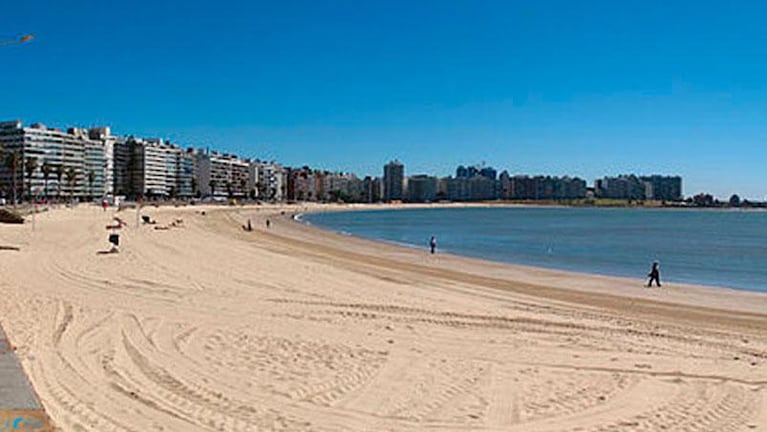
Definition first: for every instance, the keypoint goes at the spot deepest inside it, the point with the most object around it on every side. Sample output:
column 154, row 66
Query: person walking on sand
column 654, row 274
column 268, row 223
column 433, row 244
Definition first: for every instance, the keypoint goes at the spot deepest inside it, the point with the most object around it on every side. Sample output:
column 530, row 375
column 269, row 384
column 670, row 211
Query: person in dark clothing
column 654, row 274
column 433, row 244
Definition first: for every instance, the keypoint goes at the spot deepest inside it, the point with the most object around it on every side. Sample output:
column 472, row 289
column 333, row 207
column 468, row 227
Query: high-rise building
column 488, row 172
column 304, row 184
column 632, row 187
column 147, row 167
column 476, row 170
column 522, row 187
column 52, row 162
column 104, row 136
column 394, row 178
column 422, row 188
column 665, row 188
column 267, row 180
column 186, row 178
column 504, row 187
column 339, row 186
column 222, row 175
column 475, row 188
column 371, row 189
column 621, row 187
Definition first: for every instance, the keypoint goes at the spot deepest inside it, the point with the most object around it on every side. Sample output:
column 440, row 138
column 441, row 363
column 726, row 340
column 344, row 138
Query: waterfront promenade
column 20, row 409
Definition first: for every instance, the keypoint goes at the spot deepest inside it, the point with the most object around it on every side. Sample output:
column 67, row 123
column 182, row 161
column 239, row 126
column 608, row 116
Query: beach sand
column 206, row 327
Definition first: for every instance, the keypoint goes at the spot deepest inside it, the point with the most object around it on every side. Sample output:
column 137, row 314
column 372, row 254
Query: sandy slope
column 208, row 327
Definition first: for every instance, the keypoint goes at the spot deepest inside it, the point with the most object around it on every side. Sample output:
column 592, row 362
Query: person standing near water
column 654, row 274
column 433, row 244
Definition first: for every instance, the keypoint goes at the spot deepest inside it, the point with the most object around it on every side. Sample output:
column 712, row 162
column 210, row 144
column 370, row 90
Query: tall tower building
column 394, row 176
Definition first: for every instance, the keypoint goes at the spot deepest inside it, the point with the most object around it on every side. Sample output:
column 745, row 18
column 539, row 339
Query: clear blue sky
column 587, row 88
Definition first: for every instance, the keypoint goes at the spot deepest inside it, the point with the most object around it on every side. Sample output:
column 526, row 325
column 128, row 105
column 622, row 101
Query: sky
column 586, row 88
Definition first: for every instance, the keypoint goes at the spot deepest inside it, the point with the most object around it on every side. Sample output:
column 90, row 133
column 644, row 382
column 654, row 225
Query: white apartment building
column 55, row 155
column 220, row 174
column 104, row 135
column 151, row 168
column 268, row 180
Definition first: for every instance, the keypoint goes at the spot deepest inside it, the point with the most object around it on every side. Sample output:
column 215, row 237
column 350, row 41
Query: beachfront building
column 422, row 188
column 344, row 187
column 664, row 188
column 146, row 168
column 523, row 187
column 104, row 136
column 266, row 180
column 222, row 175
column 475, row 188
column 304, row 184
column 504, row 186
column 623, row 187
column 186, row 181
column 289, row 174
column 394, row 181
column 632, row 187
column 51, row 162
column 371, row 189
column 471, row 183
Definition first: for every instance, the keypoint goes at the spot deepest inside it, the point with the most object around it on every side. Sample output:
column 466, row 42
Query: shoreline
column 718, row 300
column 622, row 279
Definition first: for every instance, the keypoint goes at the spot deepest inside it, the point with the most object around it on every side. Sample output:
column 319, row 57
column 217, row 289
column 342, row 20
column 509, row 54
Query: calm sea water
column 720, row 248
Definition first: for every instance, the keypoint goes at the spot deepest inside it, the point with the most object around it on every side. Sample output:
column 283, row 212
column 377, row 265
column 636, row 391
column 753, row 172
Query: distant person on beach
column 104, row 205
column 248, row 227
column 433, row 244
column 654, row 274
column 268, row 223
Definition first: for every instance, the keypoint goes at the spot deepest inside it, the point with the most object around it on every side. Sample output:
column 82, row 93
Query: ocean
column 726, row 248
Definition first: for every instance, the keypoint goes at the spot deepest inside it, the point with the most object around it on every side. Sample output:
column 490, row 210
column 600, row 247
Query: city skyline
column 137, row 166
column 603, row 89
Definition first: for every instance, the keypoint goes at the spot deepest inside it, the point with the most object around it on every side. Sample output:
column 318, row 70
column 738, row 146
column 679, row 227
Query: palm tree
column 30, row 167
column 91, row 179
column 59, row 174
column 47, row 170
column 12, row 162
column 194, row 186
column 229, row 189
column 71, row 175
column 212, row 184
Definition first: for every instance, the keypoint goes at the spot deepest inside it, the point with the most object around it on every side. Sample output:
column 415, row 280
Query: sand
column 206, row 327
